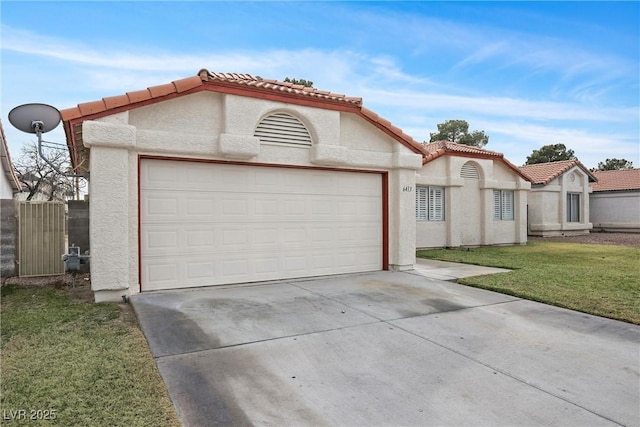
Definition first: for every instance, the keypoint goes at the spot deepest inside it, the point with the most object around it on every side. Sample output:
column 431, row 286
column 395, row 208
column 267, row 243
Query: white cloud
column 515, row 124
column 499, row 106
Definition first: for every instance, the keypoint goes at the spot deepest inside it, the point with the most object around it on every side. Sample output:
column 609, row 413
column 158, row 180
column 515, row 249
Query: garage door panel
column 211, row 224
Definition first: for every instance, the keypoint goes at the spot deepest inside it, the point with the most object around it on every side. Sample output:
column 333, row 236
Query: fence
column 41, row 238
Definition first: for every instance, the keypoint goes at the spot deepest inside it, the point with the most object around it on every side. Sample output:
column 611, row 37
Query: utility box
column 74, row 259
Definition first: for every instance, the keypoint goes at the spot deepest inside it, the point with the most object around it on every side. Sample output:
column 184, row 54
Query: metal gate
column 41, row 238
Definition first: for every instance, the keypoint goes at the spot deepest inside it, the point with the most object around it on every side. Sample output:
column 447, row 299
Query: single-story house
column 559, row 198
column 614, row 203
column 9, row 187
column 469, row 196
column 230, row 178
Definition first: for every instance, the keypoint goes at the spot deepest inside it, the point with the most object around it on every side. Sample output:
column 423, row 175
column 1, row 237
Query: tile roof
column 433, row 150
column 544, row 173
column 231, row 83
column 278, row 86
column 617, row 180
column 436, row 149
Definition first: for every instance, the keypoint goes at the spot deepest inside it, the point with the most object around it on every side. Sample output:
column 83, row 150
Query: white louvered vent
column 469, row 171
column 283, row 128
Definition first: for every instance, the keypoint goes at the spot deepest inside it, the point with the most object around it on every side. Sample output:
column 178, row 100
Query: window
column 573, row 207
column 430, row 203
column 503, row 205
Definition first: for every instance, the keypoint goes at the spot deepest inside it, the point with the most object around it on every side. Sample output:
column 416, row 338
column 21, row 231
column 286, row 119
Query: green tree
column 550, row 153
column 458, row 131
column 303, row 82
column 613, row 164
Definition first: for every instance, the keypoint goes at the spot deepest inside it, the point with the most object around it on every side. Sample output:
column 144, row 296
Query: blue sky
column 527, row 73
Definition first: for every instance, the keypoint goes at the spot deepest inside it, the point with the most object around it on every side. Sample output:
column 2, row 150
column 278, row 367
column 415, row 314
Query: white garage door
column 209, row 224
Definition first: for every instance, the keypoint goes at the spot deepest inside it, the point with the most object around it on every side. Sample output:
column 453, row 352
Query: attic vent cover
column 469, row 171
column 283, row 128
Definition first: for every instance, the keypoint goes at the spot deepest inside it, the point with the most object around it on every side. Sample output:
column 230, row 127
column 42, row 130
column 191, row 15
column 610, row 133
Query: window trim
column 504, row 205
column 575, row 212
column 430, row 203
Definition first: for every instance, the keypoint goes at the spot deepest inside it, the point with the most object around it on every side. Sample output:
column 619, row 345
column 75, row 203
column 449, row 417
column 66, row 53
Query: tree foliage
column 36, row 176
column 303, row 82
column 550, row 153
column 613, row 164
column 458, row 131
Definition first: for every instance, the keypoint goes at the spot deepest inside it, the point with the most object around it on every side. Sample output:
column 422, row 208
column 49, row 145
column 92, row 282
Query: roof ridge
column 544, row 173
column 228, row 83
column 277, row 85
column 571, row 161
column 451, row 146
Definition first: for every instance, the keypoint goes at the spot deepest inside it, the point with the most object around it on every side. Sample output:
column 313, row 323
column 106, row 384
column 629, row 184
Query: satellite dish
column 35, row 118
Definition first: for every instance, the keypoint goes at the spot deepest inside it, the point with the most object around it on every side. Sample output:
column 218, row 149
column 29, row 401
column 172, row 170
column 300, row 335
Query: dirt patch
column 596, row 238
column 79, row 290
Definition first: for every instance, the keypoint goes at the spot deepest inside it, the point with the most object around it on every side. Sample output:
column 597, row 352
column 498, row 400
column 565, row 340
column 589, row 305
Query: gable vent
column 283, row 128
column 469, row 171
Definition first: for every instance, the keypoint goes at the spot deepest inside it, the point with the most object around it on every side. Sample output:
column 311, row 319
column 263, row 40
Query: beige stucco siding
column 615, row 211
column 469, row 204
column 212, row 126
column 548, row 205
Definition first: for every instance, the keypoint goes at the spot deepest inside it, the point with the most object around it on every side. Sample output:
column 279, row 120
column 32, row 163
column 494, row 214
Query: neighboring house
column 469, row 196
column 614, row 204
column 8, row 188
column 559, row 198
column 230, row 178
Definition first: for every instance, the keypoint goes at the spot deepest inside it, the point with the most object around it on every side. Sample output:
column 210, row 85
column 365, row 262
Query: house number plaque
column 407, row 188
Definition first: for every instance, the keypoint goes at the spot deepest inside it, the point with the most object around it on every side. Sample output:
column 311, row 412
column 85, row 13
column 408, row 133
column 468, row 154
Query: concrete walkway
column 387, row 348
column 452, row 271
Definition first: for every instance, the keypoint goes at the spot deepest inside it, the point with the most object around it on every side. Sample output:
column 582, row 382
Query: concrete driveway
column 387, row 348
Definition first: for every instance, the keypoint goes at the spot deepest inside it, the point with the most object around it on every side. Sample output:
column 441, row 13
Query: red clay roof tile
column 220, row 80
column 452, row 147
column 616, row 180
column 544, row 173
column 115, row 101
column 94, row 107
column 162, row 90
column 433, row 150
column 70, row 113
column 139, row 95
column 183, row 85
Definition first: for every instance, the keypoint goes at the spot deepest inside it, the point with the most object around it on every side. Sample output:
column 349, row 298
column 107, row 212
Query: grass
column 602, row 280
column 87, row 363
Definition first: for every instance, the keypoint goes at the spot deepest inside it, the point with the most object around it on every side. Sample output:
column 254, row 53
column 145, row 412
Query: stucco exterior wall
column 615, row 211
column 469, row 204
column 6, row 191
column 8, row 237
column 548, row 205
column 213, row 126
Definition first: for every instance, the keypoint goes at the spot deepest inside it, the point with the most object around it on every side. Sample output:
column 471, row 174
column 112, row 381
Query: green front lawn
column 81, row 364
column 597, row 279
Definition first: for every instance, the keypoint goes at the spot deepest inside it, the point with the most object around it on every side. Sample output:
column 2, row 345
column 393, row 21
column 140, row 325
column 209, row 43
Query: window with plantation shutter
column 503, row 208
column 283, row 128
column 497, row 209
column 430, row 203
column 421, row 202
column 436, row 204
column 507, row 205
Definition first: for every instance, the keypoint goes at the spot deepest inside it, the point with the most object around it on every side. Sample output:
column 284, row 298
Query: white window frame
column 430, row 203
column 573, row 207
column 503, row 205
